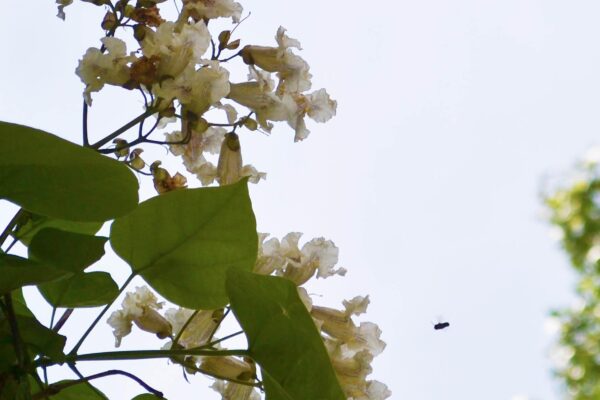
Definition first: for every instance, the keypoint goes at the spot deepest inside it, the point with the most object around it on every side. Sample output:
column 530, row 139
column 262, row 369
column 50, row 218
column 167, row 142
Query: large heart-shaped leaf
column 90, row 289
column 17, row 272
column 183, row 242
column 51, row 176
column 282, row 338
column 66, row 250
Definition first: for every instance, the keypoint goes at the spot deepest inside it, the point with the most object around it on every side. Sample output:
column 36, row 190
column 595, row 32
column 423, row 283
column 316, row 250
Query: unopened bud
column 109, row 22
column 228, row 367
column 224, row 39
column 251, row 124
column 121, row 147
column 135, row 161
column 139, row 32
column 230, row 160
column 151, row 321
column 233, row 45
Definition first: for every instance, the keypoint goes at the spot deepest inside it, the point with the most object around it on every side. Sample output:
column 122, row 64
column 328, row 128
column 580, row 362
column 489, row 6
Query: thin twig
column 57, row 387
column 104, row 310
column 63, row 319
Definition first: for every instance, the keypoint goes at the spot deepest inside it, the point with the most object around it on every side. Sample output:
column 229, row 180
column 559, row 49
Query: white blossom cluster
column 181, row 69
column 351, row 347
column 178, row 66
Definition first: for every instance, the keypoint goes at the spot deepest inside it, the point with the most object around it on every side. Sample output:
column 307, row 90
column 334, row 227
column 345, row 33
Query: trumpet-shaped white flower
column 339, row 326
column 210, row 9
column 198, row 90
column 139, row 307
column 292, row 70
column 175, row 48
column 96, row 69
column 198, row 330
column 235, row 391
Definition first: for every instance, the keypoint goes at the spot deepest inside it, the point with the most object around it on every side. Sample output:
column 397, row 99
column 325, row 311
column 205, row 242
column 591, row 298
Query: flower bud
column 135, row 161
column 151, row 321
column 251, row 124
column 230, row 160
column 224, row 39
column 233, row 45
column 121, row 147
column 109, row 22
column 228, row 368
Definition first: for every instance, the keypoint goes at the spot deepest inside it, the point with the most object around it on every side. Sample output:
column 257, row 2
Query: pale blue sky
column 428, row 179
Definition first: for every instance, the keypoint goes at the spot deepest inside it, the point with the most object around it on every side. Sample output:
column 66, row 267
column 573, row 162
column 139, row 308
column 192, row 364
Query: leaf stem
column 142, row 355
column 184, row 327
column 12, row 223
column 57, row 387
column 104, row 310
column 9, row 312
column 124, row 128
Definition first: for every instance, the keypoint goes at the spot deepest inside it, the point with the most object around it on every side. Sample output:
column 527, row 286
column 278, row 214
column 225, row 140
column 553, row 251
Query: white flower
column 252, row 173
column 211, row 9
column 139, row 307
column 174, row 48
column 316, row 255
column 292, row 70
column 96, row 68
column 235, row 391
column 192, row 152
column 339, row 325
column 197, row 90
column 198, row 330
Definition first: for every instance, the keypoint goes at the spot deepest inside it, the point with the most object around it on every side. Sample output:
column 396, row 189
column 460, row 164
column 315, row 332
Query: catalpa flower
column 197, row 90
column 210, row 9
column 198, row 330
column 96, row 68
column 139, row 307
column 291, row 69
column 176, row 48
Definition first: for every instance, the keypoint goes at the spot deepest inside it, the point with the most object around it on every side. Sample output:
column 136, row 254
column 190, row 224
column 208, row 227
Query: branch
column 57, row 387
column 122, row 129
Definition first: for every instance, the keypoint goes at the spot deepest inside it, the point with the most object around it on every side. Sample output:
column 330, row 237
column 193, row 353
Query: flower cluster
column 351, row 347
column 180, row 69
column 181, row 72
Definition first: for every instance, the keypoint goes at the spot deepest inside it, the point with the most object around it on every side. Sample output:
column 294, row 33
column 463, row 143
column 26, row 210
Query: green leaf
column 90, row 289
column 17, row 272
column 36, row 223
column 147, row 396
column 182, row 242
column 66, row 250
column 282, row 338
column 51, row 176
column 36, row 337
column 81, row 391
column 15, row 388
column 19, row 303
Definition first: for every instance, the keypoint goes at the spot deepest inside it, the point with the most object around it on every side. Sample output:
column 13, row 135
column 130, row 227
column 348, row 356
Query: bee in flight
column 441, row 325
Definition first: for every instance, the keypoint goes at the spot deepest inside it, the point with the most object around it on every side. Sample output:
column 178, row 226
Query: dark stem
column 13, row 222
column 57, row 387
column 9, row 311
column 86, row 142
column 122, row 129
column 183, row 328
column 104, row 310
column 63, row 319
